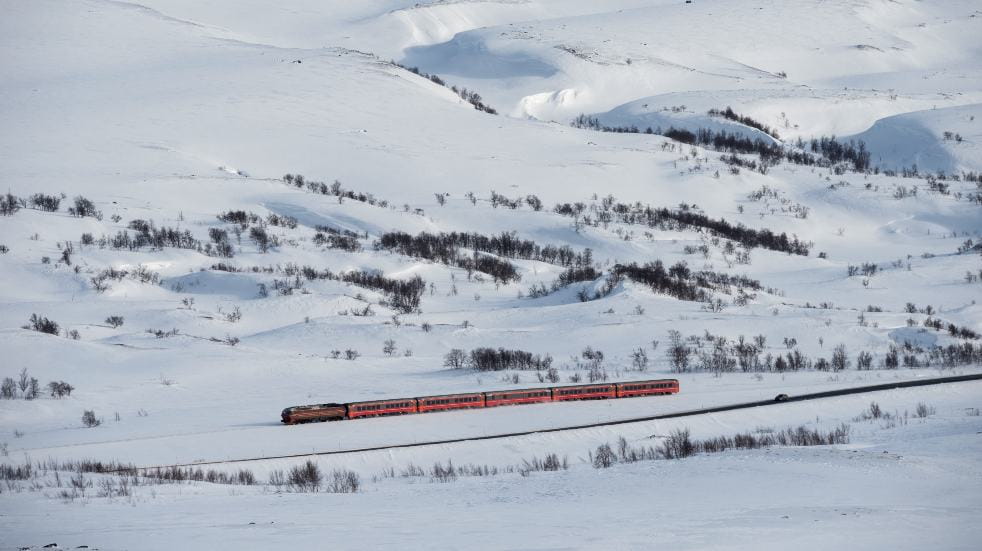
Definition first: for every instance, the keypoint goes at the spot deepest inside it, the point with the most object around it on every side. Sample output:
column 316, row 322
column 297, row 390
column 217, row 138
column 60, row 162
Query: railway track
column 688, row 413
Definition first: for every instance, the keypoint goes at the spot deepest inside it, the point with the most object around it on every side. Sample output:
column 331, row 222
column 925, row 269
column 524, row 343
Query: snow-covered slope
column 175, row 115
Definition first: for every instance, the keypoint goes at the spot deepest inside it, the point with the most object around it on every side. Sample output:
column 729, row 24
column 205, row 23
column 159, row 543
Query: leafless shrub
column 628, row 454
column 678, row 445
column 277, row 478
column 389, row 347
column 923, row 410
column 23, row 471
column 84, row 207
column 550, row 462
column 10, row 204
column 840, row 359
column 8, row 390
column 43, row 325
column 873, row 412
column 114, row 321
column 343, row 481
column 441, row 473
column 306, row 477
column 234, row 316
column 89, row 419
column 60, row 389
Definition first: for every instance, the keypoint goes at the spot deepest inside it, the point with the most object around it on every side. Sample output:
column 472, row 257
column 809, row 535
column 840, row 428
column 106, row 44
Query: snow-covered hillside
column 216, row 210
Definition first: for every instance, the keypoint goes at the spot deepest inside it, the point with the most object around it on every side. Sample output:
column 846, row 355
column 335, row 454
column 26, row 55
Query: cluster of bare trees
column 28, row 386
column 681, row 218
column 717, row 354
column 446, row 248
column 308, row 478
column 728, row 113
column 491, row 359
column 824, row 151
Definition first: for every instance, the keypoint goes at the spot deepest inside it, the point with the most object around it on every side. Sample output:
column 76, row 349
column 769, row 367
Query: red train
column 425, row 404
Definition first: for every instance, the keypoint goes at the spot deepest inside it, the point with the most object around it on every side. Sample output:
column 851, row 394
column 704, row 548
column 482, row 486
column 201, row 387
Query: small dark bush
column 89, row 419
column 59, row 389
column 9, row 204
column 343, row 481
column 43, row 325
column 306, row 477
column 84, row 207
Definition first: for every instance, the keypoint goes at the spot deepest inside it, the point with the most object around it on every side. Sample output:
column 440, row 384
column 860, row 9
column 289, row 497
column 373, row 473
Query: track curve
column 688, row 413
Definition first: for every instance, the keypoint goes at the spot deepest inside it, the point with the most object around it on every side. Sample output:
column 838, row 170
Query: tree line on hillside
column 445, row 248
column 685, row 217
column 825, row 151
column 469, row 96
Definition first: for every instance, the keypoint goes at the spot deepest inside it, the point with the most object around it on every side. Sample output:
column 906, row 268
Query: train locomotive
column 472, row 400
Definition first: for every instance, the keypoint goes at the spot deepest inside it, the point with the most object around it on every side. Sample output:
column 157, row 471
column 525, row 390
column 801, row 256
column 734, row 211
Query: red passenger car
column 312, row 413
column 450, row 401
column 399, row 406
column 584, row 392
column 512, row 397
column 647, row 388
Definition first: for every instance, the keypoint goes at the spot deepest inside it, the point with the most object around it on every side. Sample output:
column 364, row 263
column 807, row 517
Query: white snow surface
column 173, row 111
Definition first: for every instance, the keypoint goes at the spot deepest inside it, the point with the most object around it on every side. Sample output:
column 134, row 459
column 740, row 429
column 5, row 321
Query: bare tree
column 455, row 359
column 678, row 353
column 840, row 359
column 8, row 390
column 23, row 381
column 604, row 457
column 59, row 389
column 389, row 348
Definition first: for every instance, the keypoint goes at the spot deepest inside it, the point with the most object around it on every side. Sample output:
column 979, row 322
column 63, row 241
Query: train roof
column 379, row 401
column 510, row 390
column 313, row 406
column 449, row 395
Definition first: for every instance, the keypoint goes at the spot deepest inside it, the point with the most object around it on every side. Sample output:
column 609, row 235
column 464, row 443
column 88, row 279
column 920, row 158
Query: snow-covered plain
column 174, row 111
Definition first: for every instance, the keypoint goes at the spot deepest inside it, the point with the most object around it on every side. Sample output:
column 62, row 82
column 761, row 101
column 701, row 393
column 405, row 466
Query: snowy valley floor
column 902, row 482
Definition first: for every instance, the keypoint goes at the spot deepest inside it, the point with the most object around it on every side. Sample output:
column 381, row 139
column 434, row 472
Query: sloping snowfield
column 215, row 210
